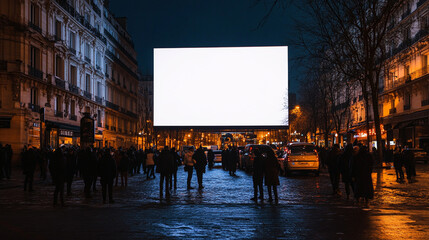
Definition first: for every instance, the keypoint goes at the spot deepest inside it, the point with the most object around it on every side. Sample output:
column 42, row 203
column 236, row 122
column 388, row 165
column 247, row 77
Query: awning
column 75, row 129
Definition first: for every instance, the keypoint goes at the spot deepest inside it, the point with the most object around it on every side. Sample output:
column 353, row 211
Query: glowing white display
column 236, row 86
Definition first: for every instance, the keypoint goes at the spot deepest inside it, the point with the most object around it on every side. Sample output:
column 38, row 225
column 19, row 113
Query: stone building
column 58, row 60
column 405, row 97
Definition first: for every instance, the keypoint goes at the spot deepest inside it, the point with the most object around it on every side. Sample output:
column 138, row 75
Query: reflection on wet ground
column 223, row 209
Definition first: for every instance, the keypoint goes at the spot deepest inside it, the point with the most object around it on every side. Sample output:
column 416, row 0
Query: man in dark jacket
column 334, row 168
column 200, row 165
column 107, row 172
column 258, row 175
column 70, row 169
column 88, row 168
column 166, row 167
column 177, row 162
column 28, row 158
column 58, row 170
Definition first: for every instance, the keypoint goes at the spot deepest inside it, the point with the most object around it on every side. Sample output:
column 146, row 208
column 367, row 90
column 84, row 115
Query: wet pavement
column 222, row 210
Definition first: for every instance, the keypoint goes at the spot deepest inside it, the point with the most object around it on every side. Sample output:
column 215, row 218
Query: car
column 301, row 157
column 247, row 159
column 419, row 154
column 218, row 156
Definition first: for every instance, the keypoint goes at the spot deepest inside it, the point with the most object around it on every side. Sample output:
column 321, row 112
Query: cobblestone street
column 223, row 209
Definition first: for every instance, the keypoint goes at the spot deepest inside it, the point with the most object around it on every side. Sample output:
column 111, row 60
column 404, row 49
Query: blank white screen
column 236, row 86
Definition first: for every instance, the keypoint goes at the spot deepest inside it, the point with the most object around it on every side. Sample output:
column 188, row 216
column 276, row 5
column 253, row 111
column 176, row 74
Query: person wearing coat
column 150, row 164
column 189, row 162
column 334, row 168
column 410, row 165
column 29, row 160
column 361, row 174
column 210, row 158
column 258, row 175
column 107, row 173
column 177, row 163
column 200, row 165
column 166, row 168
column 398, row 163
column 58, row 170
column 272, row 169
column 345, row 169
column 233, row 160
column 71, row 169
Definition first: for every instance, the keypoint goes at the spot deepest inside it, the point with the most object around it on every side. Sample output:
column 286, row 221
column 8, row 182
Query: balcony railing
column 112, row 106
column 87, row 95
column 407, row 107
column 66, row 6
column 60, row 83
column 406, row 79
column 32, row 71
column 73, row 117
column 425, row 102
column 58, row 114
column 96, row 9
column 87, row 59
column 392, row 111
column 123, row 65
column 34, row 107
column 131, row 114
column 421, row 2
column 123, row 50
column 73, row 89
column 35, row 27
column 99, row 99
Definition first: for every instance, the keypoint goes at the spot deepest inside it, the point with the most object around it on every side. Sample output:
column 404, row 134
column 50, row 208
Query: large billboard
column 221, row 87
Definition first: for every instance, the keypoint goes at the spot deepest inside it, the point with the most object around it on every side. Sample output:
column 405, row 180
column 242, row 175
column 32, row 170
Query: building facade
column 405, row 97
column 60, row 59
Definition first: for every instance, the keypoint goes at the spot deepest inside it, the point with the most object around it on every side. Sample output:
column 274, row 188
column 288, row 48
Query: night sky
column 207, row 23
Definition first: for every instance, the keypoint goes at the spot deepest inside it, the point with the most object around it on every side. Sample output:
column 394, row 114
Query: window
column 99, row 89
column 424, row 22
column 73, row 108
column 88, row 83
column 73, row 75
column 58, row 30
column 407, row 100
column 59, row 67
column 34, row 14
column 392, row 103
column 98, row 59
column 407, row 33
column 424, row 61
column 87, row 51
column 34, row 96
column 58, row 104
column 34, row 57
column 72, row 40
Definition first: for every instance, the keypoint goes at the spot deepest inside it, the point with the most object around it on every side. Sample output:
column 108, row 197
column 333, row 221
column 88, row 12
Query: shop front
column 410, row 130
column 58, row 134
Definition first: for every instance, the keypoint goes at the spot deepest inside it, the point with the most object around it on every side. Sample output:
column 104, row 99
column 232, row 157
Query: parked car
column 247, row 159
column 301, row 157
column 420, row 154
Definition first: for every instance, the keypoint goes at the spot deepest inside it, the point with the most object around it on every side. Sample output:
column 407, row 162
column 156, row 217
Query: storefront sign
column 65, row 133
column 364, row 134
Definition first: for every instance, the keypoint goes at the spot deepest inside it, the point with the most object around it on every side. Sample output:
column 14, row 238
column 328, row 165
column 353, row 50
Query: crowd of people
column 352, row 166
